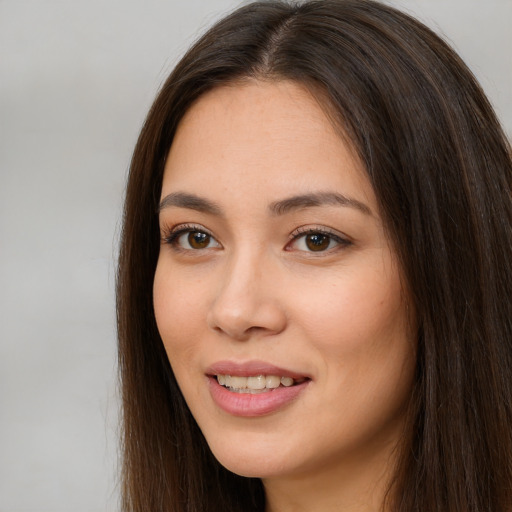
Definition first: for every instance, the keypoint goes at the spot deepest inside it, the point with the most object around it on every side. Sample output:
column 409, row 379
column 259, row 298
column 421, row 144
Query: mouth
column 254, row 388
column 256, row 384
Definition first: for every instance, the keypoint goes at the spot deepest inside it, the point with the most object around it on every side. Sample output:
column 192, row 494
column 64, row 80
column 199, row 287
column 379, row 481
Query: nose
column 247, row 303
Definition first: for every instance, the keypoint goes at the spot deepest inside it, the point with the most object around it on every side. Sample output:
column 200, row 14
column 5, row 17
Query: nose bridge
column 246, row 301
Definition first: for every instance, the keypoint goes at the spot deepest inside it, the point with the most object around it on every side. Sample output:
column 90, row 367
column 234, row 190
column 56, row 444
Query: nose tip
column 247, row 305
column 241, row 323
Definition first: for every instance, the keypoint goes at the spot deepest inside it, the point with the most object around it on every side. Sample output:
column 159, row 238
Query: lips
column 254, row 388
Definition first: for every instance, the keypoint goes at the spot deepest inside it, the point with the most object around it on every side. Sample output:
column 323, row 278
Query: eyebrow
column 191, row 202
column 317, row 199
column 281, row 207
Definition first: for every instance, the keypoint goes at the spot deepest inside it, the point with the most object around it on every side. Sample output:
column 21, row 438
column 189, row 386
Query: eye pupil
column 317, row 242
column 198, row 240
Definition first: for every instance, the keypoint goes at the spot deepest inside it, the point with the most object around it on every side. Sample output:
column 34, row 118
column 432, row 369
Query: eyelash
column 172, row 237
column 303, row 232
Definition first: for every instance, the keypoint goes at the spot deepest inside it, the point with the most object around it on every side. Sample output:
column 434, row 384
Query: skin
column 256, row 291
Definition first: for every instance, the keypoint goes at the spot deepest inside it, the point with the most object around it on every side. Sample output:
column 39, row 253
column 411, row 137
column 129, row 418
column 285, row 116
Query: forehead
column 258, row 136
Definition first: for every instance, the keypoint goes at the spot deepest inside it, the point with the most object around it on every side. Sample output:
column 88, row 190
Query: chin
column 253, row 460
column 251, row 469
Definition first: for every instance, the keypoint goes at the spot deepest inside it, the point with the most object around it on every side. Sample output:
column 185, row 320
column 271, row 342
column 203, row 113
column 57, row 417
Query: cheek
column 356, row 311
column 363, row 333
column 178, row 313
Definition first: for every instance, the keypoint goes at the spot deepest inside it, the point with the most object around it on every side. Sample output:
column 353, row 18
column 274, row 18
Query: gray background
column 76, row 79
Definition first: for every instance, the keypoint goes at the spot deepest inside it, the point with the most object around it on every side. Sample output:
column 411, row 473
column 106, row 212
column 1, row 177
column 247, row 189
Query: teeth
column 272, row 382
column 286, row 381
column 236, row 382
column 257, row 383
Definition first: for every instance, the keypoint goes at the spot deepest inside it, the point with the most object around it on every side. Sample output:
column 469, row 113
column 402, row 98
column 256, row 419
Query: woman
column 314, row 280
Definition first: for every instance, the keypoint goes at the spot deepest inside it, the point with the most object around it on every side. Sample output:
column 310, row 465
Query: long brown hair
column 441, row 169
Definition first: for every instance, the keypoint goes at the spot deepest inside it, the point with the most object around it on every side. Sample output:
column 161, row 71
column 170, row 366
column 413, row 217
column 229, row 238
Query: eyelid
column 171, row 235
column 341, row 239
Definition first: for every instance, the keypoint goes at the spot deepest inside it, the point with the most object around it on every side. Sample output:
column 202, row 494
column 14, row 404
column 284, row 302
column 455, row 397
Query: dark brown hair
column 441, row 169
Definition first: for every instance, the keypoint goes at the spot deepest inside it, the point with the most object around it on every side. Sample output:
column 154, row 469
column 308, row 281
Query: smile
column 256, row 384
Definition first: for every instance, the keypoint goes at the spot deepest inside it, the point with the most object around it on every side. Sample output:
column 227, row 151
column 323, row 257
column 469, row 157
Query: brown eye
column 198, row 240
column 317, row 242
column 190, row 239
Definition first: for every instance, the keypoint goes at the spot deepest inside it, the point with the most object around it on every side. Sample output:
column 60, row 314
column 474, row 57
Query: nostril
column 246, row 320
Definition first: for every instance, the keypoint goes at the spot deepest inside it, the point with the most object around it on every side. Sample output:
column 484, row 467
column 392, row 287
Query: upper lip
column 251, row 368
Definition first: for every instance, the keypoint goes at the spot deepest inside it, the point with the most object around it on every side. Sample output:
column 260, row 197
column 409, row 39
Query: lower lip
column 258, row 404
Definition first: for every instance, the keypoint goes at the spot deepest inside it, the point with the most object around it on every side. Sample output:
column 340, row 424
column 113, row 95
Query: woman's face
column 277, row 293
